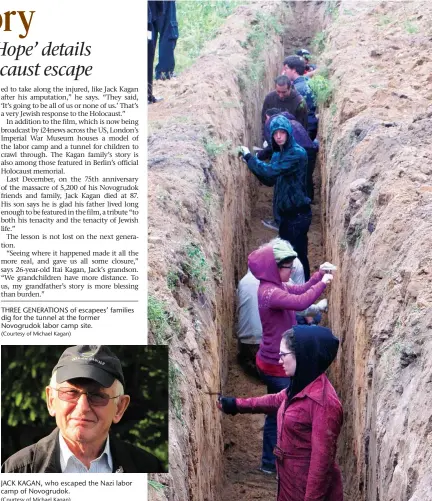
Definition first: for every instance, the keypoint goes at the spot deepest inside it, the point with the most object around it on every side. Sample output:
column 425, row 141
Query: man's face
column 282, row 91
column 289, row 72
column 80, row 421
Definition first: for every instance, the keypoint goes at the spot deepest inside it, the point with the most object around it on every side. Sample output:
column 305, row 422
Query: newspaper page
column 73, row 229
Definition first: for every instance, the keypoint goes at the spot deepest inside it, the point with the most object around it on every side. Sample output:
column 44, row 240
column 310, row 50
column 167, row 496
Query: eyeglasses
column 282, row 354
column 73, row 395
column 290, row 267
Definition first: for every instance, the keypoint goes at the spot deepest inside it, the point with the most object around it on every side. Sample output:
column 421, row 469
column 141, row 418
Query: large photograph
column 84, row 409
column 290, row 227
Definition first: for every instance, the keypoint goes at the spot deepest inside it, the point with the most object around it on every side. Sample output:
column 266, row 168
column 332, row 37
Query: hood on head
column 315, row 349
column 263, row 265
column 279, row 122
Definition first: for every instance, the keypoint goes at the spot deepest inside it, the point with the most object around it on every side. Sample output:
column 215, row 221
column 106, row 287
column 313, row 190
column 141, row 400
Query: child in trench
column 309, row 417
column 287, row 172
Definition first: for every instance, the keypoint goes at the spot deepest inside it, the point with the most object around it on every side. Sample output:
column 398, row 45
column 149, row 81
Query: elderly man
column 85, row 395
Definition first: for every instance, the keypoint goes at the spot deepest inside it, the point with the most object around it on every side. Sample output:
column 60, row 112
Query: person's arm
column 261, row 405
column 301, row 289
column 326, row 426
column 265, row 154
column 255, row 405
column 309, row 312
column 262, row 170
column 282, row 300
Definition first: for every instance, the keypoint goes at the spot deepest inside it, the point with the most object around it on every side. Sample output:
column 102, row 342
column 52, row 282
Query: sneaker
column 271, row 224
column 267, row 470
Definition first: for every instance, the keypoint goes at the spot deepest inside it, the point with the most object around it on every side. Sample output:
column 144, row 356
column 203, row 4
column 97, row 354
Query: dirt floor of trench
column 243, row 433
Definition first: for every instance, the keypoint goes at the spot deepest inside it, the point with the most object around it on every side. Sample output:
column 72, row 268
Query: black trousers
column 294, row 228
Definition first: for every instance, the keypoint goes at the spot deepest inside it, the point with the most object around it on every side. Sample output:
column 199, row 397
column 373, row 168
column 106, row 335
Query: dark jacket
column 44, row 457
column 302, row 87
column 309, row 420
column 286, row 171
column 278, row 302
column 299, row 132
column 294, row 104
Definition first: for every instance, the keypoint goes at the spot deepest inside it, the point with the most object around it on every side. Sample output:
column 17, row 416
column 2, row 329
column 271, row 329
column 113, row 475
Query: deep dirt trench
column 243, row 433
column 374, row 222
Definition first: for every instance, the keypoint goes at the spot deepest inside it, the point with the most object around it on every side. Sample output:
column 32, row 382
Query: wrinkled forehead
column 82, row 384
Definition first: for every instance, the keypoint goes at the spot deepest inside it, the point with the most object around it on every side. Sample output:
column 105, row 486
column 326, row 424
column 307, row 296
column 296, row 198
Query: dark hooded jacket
column 309, row 420
column 286, row 171
column 299, row 132
column 278, row 302
column 44, row 457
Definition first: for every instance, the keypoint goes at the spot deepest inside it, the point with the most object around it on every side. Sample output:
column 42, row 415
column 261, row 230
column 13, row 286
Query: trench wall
column 377, row 186
column 200, row 196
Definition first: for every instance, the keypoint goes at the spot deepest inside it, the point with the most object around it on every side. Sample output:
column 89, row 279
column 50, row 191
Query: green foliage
column 322, row 89
column 173, row 280
column 196, row 268
column 384, row 20
column 207, row 198
column 157, row 486
column 332, row 9
column 158, row 319
column 319, row 42
column 26, row 371
column 263, row 27
column 214, row 149
column 411, row 28
column 174, row 391
column 198, row 23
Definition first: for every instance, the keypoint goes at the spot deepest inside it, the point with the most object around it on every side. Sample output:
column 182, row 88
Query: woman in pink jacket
column 309, row 417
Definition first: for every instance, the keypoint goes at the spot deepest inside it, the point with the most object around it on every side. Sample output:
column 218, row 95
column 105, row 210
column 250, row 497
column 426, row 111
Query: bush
column 322, row 89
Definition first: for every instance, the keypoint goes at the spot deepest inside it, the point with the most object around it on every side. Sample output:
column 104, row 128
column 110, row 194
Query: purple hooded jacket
column 278, row 302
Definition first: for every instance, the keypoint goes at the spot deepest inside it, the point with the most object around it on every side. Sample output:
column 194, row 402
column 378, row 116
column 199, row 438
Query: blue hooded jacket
column 286, row 170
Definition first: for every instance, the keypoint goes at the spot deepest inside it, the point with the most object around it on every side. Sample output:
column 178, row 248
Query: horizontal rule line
column 66, row 301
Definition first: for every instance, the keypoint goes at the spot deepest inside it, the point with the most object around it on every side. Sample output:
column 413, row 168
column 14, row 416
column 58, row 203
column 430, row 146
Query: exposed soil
column 376, row 226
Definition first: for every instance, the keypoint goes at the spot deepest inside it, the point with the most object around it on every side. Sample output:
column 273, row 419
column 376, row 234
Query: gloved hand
column 265, row 144
column 227, row 405
column 327, row 278
column 244, row 151
column 328, row 267
column 322, row 305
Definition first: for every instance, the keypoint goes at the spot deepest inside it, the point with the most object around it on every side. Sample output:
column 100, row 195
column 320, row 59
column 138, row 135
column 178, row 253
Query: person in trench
column 287, row 172
column 278, row 301
column 249, row 329
column 309, row 417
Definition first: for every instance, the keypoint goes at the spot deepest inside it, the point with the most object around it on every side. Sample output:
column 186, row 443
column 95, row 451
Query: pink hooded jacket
column 278, row 302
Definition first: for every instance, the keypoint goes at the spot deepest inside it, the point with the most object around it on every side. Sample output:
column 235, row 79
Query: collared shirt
column 71, row 464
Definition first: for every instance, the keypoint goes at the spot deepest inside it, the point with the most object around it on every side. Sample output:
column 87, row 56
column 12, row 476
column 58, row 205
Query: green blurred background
column 26, row 371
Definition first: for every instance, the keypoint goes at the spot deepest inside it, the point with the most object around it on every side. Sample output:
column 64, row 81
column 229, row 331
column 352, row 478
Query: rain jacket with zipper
column 278, row 302
column 309, row 419
column 286, row 172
